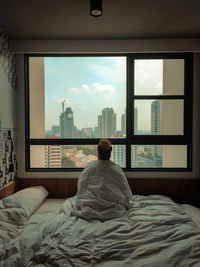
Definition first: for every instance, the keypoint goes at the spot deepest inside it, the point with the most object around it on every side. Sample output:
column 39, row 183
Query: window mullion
column 130, row 109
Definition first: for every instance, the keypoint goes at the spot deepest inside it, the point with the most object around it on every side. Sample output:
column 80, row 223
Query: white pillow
column 28, row 199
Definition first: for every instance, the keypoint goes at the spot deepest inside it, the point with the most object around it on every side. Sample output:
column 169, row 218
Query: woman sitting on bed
column 103, row 190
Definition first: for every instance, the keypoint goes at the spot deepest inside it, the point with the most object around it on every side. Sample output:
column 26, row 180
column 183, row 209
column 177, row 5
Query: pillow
column 28, row 199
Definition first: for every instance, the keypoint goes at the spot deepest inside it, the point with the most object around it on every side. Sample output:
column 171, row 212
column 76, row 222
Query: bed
column 155, row 231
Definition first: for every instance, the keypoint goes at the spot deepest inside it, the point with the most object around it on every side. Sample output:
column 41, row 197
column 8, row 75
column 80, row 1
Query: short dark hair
column 104, row 149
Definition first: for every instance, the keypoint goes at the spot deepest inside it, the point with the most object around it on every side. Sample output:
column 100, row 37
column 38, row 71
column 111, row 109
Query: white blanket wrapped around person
column 103, row 190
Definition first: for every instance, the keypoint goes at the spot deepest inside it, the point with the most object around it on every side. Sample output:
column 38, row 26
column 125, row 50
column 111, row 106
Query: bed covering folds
column 155, row 231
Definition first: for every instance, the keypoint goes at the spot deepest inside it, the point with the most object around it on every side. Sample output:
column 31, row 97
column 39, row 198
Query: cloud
column 107, row 88
column 149, row 77
column 113, row 69
column 84, row 89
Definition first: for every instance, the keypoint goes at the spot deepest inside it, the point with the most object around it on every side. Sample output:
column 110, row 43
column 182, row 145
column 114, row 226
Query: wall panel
column 182, row 191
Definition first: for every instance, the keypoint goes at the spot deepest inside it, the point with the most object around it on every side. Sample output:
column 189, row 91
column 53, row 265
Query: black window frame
column 131, row 138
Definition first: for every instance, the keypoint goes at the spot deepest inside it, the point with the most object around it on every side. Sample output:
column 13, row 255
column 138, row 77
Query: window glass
column 159, row 156
column 71, row 156
column 159, row 117
column 159, row 77
column 77, row 97
column 85, row 97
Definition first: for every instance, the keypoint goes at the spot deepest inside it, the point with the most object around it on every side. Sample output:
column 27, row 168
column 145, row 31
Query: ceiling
column 121, row 19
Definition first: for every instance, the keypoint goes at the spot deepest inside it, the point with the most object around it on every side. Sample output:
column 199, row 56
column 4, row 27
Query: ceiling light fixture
column 96, row 8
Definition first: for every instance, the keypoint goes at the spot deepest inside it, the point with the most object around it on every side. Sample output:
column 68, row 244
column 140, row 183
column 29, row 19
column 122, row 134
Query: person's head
column 104, row 149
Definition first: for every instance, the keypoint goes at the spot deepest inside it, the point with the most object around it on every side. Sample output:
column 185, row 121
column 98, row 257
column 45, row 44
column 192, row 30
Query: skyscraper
column 118, row 155
column 123, row 124
column 87, row 132
column 155, row 130
column 95, row 132
column 108, row 122
column 55, row 130
column 100, row 126
column 66, row 120
column 135, row 120
column 155, row 117
column 53, row 157
column 134, row 148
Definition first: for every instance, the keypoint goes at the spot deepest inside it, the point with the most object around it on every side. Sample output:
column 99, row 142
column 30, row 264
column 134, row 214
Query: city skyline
column 93, row 83
column 105, row 126
column 86, row 84
column 77, row 156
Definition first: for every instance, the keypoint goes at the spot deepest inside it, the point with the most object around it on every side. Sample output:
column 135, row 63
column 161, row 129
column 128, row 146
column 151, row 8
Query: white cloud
column 149, row 77
column 115, row 73
column 84, row 89
column 106, row 88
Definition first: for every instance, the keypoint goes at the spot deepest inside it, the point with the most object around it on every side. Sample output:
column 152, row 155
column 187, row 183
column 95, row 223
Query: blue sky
column 89, row 84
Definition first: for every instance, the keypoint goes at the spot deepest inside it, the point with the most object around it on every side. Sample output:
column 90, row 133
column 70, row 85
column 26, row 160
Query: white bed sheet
column 154, row 232
column 46, row 211
column 31, row 236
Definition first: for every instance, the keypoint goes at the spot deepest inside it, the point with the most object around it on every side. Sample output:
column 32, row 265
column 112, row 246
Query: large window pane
column 159, row 156
column 84, row 97
column 159, row 117
column 71, row 156
column 159, row 77
column 77, row 97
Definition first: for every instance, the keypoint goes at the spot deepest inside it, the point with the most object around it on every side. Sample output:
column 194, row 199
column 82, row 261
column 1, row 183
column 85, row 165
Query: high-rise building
column 66, row 120
column 155, row 130
column 107, row 123
column 55, row 130
column 123, row 124
column 118, row 155
column 134, row 156
column 95, row 132
column 53, row 155
column 155, row 117
column 135, row 120
column 48, row 133
column 87, row 132
column 100, row 134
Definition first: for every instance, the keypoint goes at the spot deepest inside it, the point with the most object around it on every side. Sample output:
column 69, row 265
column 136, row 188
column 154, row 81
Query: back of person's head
column 104, row 149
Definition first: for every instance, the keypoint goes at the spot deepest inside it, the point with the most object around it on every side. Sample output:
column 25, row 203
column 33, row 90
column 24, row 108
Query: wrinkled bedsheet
column 12, row 222
column 103, row 192
column 15, row 211
column 155, row 231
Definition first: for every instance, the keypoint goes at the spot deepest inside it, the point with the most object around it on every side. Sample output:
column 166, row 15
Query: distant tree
column 146, row 155
column 67, row 163
column 88, row 151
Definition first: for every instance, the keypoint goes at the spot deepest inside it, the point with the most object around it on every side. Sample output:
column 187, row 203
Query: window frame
column 131, row 138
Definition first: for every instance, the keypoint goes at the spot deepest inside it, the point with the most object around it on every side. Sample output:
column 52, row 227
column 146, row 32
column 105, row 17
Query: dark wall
column 182, row 191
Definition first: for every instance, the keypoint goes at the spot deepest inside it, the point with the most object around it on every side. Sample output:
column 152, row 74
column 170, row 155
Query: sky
column 89, row 84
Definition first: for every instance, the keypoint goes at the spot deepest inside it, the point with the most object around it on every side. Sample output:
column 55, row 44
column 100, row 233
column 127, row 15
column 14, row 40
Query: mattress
column 155, row 232
column 46, row 211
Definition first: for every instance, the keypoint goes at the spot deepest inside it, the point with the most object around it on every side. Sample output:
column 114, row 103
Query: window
column 142, row 103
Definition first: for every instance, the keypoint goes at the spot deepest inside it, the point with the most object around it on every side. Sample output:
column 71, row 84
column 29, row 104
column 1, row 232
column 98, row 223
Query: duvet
column 155, row 231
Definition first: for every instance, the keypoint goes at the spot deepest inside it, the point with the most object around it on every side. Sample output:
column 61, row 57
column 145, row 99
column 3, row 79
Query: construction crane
column 63, row 105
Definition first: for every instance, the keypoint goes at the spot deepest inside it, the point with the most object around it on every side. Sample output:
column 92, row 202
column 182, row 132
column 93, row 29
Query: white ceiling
column 121, row 19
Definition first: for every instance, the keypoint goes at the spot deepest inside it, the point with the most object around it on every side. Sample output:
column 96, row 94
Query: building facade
column 66, row 121
column 107, row 123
